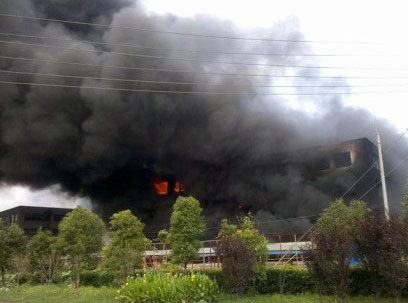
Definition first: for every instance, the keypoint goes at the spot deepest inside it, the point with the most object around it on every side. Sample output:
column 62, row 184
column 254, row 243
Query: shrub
column 158, row 287
column 237, row 263
column 297, row 280
column 98, row 278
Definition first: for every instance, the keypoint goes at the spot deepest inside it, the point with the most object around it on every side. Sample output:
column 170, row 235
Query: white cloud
column 53, row 196
column 382, row 22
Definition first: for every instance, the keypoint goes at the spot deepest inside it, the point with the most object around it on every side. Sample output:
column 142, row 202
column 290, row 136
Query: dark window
column 58, row 218
column 36, row 217
column 30, row 231
column 322, row 164
column 342, row 159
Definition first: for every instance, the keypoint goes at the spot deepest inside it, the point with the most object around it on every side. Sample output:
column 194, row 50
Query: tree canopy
column 333, row 242
column 186, row 226
column 12, row 242
column 250, row 235
column 44, row 256
column 405, row 202
column 80, row 237
column 124, row 253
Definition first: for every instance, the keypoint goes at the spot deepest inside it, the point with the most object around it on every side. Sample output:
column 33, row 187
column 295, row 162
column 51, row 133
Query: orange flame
column 161, row 187
column 178, row 187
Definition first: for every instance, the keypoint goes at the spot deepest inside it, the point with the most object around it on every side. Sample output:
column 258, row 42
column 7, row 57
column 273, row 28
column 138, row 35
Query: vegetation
column 333, row 241
column 186, row 226
column 393, row 254
column 12, row 245
column 58, row 293
column 64, row 294
column 238, row 262
column 158, row 287
column 249, row 234
column 405, row 202
column 369, row 246
column 243, row 253
column 80, row 238
column 342, row 234
column 44, row 256
column 163, row 236
column 124, row 253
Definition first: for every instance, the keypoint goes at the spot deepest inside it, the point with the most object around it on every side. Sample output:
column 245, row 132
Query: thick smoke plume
column 111, row 145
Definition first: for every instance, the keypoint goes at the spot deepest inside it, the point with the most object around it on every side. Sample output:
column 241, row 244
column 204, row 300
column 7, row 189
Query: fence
column 283, row 249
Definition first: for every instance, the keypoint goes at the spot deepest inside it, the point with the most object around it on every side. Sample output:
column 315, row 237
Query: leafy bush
column 297, row 280
column 97, row 278
column 266, row 281
column 158, row 287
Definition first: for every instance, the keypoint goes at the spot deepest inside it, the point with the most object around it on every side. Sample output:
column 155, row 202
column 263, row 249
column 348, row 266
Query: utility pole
column 383, row 184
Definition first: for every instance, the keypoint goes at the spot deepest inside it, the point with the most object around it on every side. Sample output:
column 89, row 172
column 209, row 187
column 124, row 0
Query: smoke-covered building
column 273, row 188
column 30, row 218
column 222, row 134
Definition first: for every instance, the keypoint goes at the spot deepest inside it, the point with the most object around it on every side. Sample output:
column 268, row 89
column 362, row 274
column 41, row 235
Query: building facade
column 30, row 218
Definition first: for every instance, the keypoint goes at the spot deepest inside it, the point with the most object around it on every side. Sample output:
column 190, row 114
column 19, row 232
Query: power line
column 317, row 215
column 354, row 184
column 194, row 50
column 199, row 60
column 387, row 175
column 198, row 92
column 258, row 223
column 374, row 164
column 182, row 33
column 181, row 71
column 192, row 83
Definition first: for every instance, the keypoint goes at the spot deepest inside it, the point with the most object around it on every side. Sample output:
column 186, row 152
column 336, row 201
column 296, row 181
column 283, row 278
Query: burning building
column 185, row 114
column 290, row 184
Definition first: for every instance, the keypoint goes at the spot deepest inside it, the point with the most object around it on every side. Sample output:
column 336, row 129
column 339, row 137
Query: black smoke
column 111, row 145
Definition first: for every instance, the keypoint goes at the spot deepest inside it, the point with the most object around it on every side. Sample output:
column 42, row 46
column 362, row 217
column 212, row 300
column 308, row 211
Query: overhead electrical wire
column 188, row 34
column 386, row 176
column 375, row 163
column 351, row 187
column 259, row 223
column 138, row 46
column 200, row 60
column 200, row 92
column 181, row 33
column 127, row 80
column 198, row 72
column 181, row 71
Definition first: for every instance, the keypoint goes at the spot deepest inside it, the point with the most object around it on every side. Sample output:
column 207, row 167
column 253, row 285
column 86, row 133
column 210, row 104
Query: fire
column 178, row 187
column 161, row 187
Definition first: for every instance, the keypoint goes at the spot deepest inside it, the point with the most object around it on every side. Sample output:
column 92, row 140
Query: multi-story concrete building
column 30, row 218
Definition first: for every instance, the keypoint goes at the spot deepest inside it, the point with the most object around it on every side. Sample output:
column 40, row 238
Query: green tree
column 186, row 226
column 392, row 252
column 237, row 262
column 333, row 239
column 163, row 236
column 124, row 253
column 243, row 265
column 12, row 242
column 405, row 202
column 80, row 238
column 44, row 257
column 249, row 234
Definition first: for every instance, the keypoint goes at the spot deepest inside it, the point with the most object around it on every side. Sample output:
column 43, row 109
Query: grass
column 60, row 294
column 303, row 298
column 65, row 294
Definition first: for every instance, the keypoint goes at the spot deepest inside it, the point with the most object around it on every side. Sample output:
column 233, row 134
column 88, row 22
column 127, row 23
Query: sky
column 376, row 28
column 380, row 25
